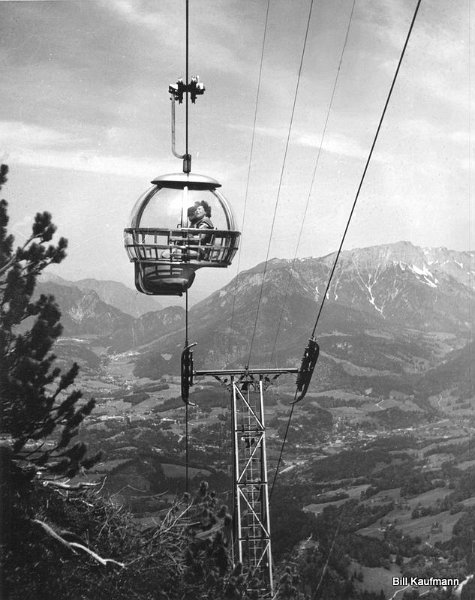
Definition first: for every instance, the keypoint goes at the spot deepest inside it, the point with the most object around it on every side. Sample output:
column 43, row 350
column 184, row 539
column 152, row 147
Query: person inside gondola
column 203, row 221
column 199, row 216
column 203, row 216
column 191, row 213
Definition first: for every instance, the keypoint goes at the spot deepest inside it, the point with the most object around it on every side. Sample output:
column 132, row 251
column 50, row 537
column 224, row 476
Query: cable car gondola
column 166, row 246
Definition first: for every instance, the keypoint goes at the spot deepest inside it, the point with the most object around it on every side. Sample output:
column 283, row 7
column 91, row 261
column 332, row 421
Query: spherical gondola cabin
column 164, row 241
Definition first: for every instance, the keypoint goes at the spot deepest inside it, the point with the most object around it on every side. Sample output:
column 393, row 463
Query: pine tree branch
column 15, row 257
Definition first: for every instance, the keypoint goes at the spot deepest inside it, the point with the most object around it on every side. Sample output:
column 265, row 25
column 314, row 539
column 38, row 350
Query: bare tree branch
column 103, row 561
column 51, row 532
column 72, row 545
column 67, row 486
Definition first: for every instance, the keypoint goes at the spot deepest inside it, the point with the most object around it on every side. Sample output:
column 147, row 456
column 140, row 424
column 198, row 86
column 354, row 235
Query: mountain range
column 396, row 317
column 114, row 293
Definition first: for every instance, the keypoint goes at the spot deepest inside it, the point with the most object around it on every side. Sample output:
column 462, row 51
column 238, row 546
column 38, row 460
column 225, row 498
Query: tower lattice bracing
column 253, row 542
column 252, row 534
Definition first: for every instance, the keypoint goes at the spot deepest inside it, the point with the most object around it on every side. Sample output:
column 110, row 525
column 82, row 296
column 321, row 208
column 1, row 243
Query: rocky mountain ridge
column 387, row 320
column 392, row 313
column 114, row 293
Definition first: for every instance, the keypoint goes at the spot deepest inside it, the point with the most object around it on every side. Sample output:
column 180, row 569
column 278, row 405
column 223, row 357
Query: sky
column 85, row 121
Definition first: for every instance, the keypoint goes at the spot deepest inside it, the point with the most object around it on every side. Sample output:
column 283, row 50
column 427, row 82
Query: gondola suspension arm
column 177, row 92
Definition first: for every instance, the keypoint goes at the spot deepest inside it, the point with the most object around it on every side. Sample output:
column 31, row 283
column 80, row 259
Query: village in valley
column 409, row 483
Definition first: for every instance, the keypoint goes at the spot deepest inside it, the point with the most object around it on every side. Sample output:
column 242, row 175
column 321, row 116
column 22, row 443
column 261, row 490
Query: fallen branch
column 103, row 561
column 67, row 486
column 51, row 532
column 71, row 546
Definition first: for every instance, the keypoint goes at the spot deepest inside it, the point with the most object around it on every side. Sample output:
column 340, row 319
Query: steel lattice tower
column 251, row 489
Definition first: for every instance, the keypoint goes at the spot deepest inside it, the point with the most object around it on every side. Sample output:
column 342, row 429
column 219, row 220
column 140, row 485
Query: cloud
column 170, row 21
column 274, row 132
column 385, row 21
column 437, row 59
column 83, row 161
column 460, row 137
column 335, row 143
column 428, row 131
column 19, row 134
column 134, row 13
column 32, row 145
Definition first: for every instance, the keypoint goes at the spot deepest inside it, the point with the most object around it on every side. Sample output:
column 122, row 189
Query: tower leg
column 253, row 543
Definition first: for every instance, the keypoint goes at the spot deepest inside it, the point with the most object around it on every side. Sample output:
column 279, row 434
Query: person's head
column 191, row 213
column 203, row 209
column 200, row 212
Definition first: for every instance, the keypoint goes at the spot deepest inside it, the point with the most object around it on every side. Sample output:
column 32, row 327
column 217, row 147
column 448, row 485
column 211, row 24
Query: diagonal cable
column 276, row 473
column 251, row 155
column 280, row 180
column 317, row 161
column 366, row 167
column 351, row 213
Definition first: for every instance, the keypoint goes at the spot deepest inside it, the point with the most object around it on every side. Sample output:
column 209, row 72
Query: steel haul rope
column 187, row 159
column 251, row 155
column 317, row 160
column 187, row 406
column 312, row 337
column 366, row 166
column 280, row 180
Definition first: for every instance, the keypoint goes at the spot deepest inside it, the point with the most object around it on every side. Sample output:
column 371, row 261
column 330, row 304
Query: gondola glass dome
column 165, row 246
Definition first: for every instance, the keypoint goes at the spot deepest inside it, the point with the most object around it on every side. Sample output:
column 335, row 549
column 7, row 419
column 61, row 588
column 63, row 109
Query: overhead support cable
column 187, row 61
column 366, row 167
column 284, row 162
column 276, row 473
column 317, row 161
column 312, row 337
column 187, row 405
column 469, row 24
column 251, row 156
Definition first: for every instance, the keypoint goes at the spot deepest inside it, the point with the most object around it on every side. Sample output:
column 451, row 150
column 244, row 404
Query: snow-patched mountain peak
column 428, row 264
column 401, row 282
